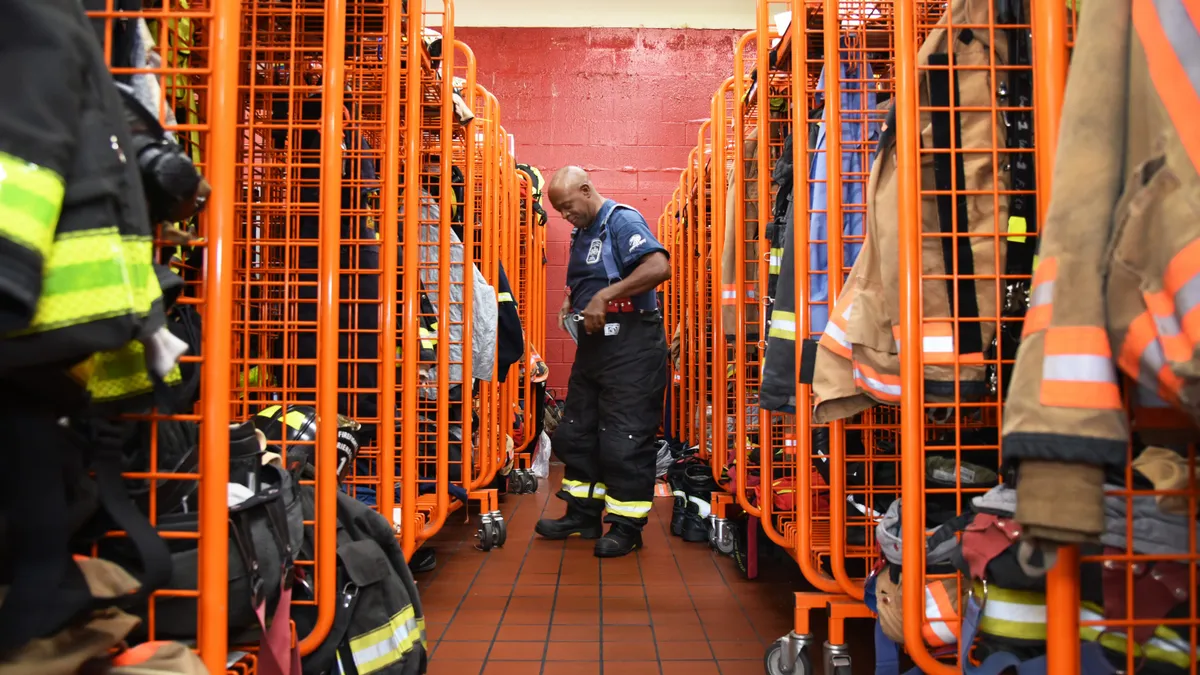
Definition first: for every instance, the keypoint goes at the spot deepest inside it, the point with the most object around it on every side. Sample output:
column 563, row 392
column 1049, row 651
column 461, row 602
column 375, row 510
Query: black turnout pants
column 611, row 418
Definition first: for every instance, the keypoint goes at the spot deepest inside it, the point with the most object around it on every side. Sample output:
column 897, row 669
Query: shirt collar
column 605, row 209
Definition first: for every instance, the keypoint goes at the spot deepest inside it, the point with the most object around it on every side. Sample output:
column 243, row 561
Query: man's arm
column 637, row 250
column 651, row 271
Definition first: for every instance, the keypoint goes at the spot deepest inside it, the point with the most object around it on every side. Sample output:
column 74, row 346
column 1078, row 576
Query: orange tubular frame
column 213, row 602
column 410, row 338
column 739, row 245
column 804, row 403
column 325, row 526
column 1049, row 33
column 389, row 262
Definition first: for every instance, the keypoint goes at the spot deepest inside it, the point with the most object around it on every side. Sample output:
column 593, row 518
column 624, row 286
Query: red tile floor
column 551, row 608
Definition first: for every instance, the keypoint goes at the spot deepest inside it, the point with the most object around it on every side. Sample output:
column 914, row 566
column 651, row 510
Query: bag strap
column 47, row 589
column 114, row 497
column 278, row 654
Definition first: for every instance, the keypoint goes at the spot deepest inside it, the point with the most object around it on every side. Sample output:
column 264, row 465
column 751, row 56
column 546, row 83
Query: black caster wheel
column 500, row 529
column 523, row 480
column 487, row 536
column 724, row 541
column 774, row 664
column 533, row 482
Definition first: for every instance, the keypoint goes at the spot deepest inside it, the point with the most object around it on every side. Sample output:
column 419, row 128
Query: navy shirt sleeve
column 632, row 239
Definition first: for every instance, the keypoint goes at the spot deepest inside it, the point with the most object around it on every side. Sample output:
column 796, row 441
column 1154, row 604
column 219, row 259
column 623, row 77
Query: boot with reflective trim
column 698, row 486
column 676, row 481
column 620, row 540
column 575, row 523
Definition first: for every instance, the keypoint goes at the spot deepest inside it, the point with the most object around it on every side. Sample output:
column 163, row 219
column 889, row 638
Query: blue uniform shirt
column 631, row 241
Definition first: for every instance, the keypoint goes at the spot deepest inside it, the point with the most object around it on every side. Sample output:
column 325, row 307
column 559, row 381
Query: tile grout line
column 554, row 600
column 687, row 587
column 528, row 547
column 646, row 598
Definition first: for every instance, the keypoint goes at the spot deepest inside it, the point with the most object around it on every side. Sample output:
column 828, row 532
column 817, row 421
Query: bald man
column 615, row 396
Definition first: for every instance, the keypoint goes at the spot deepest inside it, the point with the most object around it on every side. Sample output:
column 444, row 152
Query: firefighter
column 615, row 395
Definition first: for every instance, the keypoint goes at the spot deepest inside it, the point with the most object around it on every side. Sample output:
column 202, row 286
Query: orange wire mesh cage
column 184, row 76
column 939, row 188
column 331, row 134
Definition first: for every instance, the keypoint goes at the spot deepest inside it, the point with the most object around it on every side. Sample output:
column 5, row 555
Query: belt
column 621, row 306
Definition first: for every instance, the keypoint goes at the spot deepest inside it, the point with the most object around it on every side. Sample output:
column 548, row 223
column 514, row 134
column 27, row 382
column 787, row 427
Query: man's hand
column 595, row 312
column 564, row 313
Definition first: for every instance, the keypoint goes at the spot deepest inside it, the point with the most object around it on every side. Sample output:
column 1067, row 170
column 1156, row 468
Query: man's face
column 573, row 206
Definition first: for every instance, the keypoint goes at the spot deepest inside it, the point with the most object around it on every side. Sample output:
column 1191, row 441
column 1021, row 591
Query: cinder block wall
column 624, row 103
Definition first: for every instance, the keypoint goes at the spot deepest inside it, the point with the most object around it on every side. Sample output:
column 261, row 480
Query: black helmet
column 300, row 425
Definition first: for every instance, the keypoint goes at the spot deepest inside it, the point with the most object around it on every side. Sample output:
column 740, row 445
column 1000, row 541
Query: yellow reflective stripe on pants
column 387, row 644
column 504, row 297
column 31, row 199
column 582, row 490
column 93, row 275
column 617, row 507
column 1021, row 615
column 1167, row 646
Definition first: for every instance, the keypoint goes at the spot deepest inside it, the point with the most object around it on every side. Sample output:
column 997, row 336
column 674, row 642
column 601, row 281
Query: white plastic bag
column 541, row 458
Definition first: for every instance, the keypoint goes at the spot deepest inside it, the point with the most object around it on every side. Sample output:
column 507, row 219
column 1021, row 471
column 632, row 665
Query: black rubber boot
column 698, row 487
column 574, row 524
column 621, row 540
column 423, row 560
column 676, row 480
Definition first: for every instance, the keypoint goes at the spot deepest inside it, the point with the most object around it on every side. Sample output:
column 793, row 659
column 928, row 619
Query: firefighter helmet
column 298, row 425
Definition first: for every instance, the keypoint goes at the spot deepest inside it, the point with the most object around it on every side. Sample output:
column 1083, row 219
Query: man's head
column 571, row 194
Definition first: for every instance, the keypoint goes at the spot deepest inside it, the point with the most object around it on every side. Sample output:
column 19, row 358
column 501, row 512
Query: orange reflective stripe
column 1181, row 285
column 941, row 629
column 1166, row 323
column 1077, row 369
column 1143, row 358
column 883, row 387
column 1041, row 297
column 137, row 654
column 729, row 294
column 1167, row 30
column 834, row 338
column 937, row 344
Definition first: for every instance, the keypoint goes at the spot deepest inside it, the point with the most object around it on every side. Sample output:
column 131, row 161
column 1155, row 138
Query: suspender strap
column 612, row 264
column 943, row 96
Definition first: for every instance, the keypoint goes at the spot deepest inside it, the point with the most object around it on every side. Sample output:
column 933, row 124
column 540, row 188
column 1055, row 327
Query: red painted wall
column 625, row 104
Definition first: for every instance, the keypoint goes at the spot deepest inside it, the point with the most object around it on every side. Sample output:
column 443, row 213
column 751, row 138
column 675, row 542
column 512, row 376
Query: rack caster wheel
column 837, row 659
column 487, row 534
column 532, row 484
column 776, row 660
column 526, row 481
column 721, row 537
column 500, row 528
column 725, row 543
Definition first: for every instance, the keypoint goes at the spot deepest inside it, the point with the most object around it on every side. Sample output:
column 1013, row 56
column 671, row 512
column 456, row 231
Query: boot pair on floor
column 621, row 539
